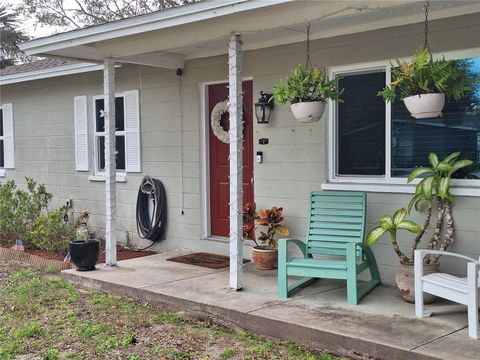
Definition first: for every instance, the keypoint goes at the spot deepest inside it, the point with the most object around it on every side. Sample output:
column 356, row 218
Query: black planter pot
column 84, row 254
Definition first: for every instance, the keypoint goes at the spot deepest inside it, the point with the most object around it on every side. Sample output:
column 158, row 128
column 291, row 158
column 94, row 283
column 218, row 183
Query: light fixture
column 263, row 108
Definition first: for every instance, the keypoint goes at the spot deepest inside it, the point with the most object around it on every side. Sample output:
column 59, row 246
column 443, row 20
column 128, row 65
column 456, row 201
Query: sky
column 29, row 25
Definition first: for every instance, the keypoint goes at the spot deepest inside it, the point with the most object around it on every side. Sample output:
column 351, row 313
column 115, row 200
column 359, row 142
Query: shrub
column 24, row 215
column 19, row 209
column 51, row 232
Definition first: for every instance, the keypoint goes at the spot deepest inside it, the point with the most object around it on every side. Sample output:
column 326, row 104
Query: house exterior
column 53, row 131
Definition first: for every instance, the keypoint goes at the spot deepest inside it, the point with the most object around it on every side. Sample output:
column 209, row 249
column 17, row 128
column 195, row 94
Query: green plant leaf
column 386, row 222
column 452, row 157
column 443, row 185
column 399, row 215
column 374, row 235
column 433, row 159
column 444, row 167
column 415, row 199
column 418, row 172
column 457, row 165
column 409, row 225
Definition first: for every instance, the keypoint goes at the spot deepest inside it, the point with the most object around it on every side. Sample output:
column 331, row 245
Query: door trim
column 205, row 220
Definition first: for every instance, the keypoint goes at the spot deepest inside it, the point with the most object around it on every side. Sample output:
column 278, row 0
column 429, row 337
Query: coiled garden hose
column 151, row 223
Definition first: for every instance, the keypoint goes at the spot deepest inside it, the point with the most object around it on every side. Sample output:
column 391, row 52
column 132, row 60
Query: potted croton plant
column 423, row 83
column 264, row 256
column 432, row 190
column 307, row 90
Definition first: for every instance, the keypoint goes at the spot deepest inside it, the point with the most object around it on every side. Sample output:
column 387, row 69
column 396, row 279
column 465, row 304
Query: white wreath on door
column 215, row 120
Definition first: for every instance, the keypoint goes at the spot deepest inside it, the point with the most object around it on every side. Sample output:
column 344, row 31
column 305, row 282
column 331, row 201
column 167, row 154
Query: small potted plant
column 391, row 224
column 307, row 90
column 84, row 250
column 265, row 255
column 433, row 189
column 424, row 83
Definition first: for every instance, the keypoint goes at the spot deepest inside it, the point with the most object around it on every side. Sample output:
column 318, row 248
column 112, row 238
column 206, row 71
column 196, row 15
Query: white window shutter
column 132, row 131
column 9, row 136
column 81, row 133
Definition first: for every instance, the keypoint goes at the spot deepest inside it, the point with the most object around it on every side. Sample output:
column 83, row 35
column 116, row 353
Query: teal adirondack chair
column 335, row 237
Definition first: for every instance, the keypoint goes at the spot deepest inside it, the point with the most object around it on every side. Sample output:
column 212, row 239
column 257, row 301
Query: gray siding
column 294, row 161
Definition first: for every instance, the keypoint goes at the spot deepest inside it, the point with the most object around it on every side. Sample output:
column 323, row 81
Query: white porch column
column 236, row 165
column 110, row 165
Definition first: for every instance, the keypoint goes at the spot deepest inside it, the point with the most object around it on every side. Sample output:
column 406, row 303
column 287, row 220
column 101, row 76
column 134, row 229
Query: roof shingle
column 35, row 65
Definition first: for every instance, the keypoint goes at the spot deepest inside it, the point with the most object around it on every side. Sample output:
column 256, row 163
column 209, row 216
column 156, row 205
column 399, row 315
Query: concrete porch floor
column 383, row 326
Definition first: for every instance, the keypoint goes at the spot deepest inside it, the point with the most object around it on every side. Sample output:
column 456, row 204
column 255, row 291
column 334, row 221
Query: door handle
column 251, row 181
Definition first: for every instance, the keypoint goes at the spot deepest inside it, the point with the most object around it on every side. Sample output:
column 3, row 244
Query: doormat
column 212, row 261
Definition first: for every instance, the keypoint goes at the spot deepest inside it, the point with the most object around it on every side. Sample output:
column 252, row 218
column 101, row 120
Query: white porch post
column 236, row 165
column 110, row 165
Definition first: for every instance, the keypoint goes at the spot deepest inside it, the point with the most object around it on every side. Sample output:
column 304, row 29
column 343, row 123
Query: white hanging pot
column 308, row 112
column 425, row 105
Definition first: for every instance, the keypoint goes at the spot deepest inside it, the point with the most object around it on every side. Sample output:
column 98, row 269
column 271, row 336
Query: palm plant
column 392, row 224
column 10, row 37
column 435, row 188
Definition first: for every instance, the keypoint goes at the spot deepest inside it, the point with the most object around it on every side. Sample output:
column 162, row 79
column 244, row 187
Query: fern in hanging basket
column 307, row 90
column 424, row 75
column 306, row 85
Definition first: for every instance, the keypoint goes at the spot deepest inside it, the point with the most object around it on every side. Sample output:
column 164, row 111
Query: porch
column 382, row 326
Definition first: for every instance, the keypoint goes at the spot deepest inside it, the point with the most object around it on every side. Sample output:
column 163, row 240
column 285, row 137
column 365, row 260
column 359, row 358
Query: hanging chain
column 308, row 62
column 426, row 45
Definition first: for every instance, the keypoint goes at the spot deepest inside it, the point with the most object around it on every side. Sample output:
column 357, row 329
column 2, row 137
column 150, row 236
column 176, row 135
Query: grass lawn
column 44, row 317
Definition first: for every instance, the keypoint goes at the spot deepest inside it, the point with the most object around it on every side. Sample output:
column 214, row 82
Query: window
column 99, row 137
column 372, row 142
column 2, row 141
column 457, row 130
column 7, row 151
column 90, row 135
column 360, row 119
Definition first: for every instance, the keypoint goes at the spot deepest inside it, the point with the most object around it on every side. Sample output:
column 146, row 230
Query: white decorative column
column 110, row 165
column 236, row 164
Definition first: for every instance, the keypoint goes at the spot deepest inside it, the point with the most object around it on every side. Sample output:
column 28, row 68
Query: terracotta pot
column 425, row 105
column 264, row 258
column 308, row 112
column 405, row 281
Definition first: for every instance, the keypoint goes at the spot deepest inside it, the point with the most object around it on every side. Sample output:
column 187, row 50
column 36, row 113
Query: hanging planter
column 425, row 83
column 425, row 105
column 308, row 112
column 307, row 90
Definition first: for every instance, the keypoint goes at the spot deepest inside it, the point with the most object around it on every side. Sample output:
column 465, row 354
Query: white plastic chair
column 460, row 290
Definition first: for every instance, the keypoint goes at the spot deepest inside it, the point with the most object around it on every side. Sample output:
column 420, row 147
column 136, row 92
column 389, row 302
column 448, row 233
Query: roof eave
column 63, row 70
column 149, row 22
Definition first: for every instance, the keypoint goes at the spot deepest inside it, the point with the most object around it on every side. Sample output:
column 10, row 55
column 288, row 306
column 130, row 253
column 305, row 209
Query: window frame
column 99, row 175
column 386, row 183
column 2, row 137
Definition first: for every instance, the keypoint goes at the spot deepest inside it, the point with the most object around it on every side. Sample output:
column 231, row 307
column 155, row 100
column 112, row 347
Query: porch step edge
column 314, row 338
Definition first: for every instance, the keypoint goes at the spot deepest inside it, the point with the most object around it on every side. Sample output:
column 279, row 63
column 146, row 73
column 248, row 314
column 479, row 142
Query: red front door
column 219, row 163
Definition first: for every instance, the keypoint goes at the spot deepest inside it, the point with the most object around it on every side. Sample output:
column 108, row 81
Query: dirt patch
column 122, row 253
column 43, row 317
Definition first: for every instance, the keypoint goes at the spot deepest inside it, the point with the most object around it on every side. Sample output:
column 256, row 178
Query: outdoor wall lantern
column 263, row 108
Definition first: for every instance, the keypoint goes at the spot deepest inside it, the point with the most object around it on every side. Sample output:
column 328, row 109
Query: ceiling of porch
column 269, row 24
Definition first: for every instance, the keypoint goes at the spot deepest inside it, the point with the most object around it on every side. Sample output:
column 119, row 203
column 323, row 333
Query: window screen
column 457, row 130
column 2, row 142
column 361, row 125
column 119, row 131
